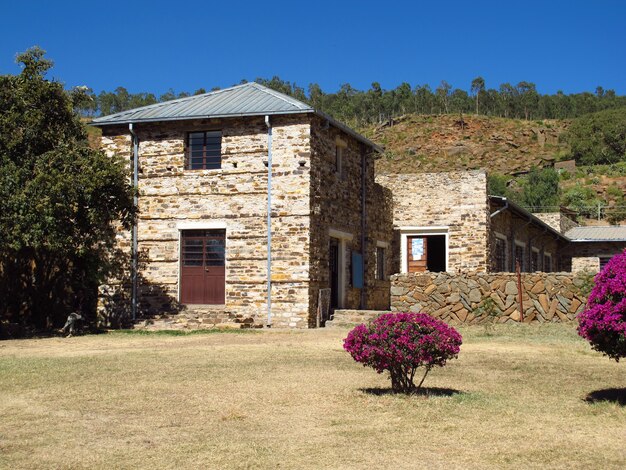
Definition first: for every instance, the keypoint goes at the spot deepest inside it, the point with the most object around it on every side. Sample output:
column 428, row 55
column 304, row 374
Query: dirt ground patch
column 520, row 396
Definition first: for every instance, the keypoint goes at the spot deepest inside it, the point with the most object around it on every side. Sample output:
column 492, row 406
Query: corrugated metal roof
column 597, row 233
column 240, row 100
column 249, row 99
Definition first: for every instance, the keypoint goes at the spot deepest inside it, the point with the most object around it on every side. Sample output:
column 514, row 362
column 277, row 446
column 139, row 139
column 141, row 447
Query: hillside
column 418, row 143
column 511, row 147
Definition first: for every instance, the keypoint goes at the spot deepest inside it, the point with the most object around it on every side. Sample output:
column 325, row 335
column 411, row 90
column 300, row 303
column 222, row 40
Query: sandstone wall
column 515, row 228
column 557, row 220
column 457, row 200
column 336, row 203
column 480, row 297
column 235, row 196
column 586, row 256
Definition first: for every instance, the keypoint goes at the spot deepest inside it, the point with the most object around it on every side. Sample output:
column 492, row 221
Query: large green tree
column 59, row 201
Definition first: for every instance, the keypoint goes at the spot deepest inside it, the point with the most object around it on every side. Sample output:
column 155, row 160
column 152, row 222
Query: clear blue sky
column 153, row 45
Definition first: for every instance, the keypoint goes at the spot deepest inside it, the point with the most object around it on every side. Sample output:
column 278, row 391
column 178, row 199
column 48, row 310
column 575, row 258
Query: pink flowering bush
column 603, row 323
column 401, row 343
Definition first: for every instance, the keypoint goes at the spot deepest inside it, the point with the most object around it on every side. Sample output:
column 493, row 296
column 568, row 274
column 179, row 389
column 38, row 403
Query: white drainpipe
column 269, row 221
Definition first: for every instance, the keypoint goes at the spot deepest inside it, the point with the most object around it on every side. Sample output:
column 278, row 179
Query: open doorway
column 425, row 252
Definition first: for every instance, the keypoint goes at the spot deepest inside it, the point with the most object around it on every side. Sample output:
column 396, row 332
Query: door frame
column 200, row 225
column 342, row 238
column 406, row 232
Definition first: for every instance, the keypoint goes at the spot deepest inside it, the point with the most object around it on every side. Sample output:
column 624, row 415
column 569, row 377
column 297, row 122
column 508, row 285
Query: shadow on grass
column 424, row 391
column 609, row 395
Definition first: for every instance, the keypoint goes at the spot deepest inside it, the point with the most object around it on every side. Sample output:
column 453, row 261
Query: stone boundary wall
column 463, row 298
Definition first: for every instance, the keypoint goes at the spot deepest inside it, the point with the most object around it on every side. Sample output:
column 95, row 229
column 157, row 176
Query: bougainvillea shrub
column 401, row 343
column 603, row 323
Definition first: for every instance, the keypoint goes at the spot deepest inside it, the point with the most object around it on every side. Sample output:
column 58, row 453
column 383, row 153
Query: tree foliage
column 58, row 201
column 376, row 104
column 599, row 137
column 603, row 323
column 537, row 191
column 540, row 189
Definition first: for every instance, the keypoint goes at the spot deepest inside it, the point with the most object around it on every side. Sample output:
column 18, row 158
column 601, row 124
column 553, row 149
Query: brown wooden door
column 417, row 246
column 203, row 272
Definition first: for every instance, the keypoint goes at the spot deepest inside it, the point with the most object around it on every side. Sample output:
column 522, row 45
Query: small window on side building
column 534, row 260
column 520, row 256
column 500, row 255
column 547, row 263
column 204, row 150
column 340, row 147
column 380, row 263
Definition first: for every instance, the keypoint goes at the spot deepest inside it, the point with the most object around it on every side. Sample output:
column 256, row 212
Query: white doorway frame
column 406, row 232
column 342, row 237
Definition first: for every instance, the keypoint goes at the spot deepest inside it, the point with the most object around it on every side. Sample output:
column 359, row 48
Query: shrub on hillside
column 401, row 343
column 603, row 323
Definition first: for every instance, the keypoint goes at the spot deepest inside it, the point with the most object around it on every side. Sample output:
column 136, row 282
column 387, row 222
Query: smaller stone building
column 591, row 247
column 446, row 222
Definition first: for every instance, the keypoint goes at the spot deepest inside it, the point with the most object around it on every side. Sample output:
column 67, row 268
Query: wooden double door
column 203, row 270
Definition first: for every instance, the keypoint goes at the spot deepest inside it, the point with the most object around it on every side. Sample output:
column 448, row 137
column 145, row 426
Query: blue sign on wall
column 357, row 270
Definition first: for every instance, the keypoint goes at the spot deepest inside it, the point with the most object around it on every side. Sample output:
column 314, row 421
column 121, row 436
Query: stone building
column 214, row 172
column 447, row 222
column 592, row 247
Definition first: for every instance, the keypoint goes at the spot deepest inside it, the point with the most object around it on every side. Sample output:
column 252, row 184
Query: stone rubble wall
column 456, row 200
column 479, row 297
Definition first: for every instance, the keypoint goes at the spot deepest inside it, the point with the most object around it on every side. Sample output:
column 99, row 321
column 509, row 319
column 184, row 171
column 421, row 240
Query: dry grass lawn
column 522, row 397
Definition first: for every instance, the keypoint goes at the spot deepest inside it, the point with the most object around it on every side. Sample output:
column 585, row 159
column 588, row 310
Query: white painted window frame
column 412, row 231
column 198, row 225
column 343, row 238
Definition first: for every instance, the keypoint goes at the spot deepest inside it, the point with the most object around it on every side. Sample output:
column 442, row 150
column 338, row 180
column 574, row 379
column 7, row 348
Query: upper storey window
column 204, row 150
column 340, row 147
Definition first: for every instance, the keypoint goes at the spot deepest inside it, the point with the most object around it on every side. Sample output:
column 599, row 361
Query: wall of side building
column 591, row 256
column 173, row 198
column 455, row 202
column 337, row 213
column 513, row 230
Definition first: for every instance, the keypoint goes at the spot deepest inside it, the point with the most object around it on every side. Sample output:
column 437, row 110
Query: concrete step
column 351, row 318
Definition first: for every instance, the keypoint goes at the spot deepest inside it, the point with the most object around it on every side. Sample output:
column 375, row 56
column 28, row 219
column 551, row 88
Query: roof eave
column 189, row 118
column 322, row 115
column 535, row 219
column 596, row 240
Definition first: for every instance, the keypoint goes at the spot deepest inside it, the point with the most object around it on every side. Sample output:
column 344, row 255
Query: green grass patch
column 182, row 332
